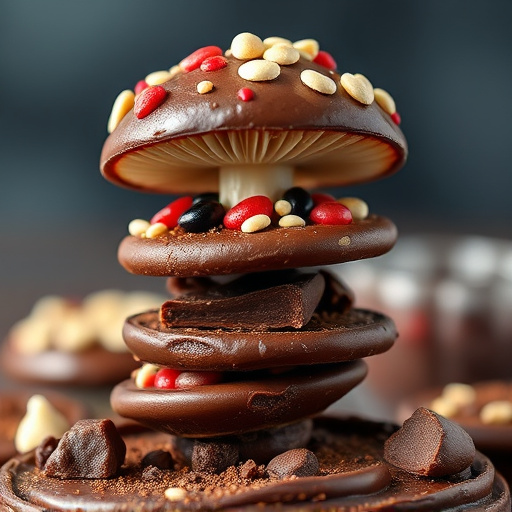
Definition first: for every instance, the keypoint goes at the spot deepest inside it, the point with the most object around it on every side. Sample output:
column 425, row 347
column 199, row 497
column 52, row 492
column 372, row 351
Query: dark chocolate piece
column 183, row 254
column 159, row 459
column 337, row 297
column 254, row 301
column 212, row 456
column 430, row 445
column 250, row 470
column 44, row 450
column 90, row 449
column 298, row 462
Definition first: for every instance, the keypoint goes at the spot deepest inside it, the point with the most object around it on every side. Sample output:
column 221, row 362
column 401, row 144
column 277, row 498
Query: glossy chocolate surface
column 352, row 476
column 336, row 338
column 227, row 251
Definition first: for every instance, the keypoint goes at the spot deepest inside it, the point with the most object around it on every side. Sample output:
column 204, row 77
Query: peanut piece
column 318, row 82
column 307, row 47
column 255, row 223
column 204, row 87
column 459, row 394
column 359, row 87
column 259, row 70
column 122, row 105
column 157, row 229
column 247, row 46
column 498, row 412
column 282, row 54
column 138, row 226
column 385, row 101
column 291, row 221
column 444, row 407
column 358, row 208
column 175, row 494
column 282, row 207
column 158, row 77
column 271, row 41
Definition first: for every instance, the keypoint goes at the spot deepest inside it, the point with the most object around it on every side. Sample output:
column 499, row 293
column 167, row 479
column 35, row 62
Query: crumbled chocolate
column 298, row 462
column 90, row 449
column 159, row 459
column 249, row 469
column 44, row 450
column 213, row 456
column 430, row 445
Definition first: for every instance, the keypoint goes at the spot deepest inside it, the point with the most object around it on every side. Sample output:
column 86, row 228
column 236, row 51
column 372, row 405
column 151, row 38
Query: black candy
column 206, row 196
column 300, row 200
column 202, row 216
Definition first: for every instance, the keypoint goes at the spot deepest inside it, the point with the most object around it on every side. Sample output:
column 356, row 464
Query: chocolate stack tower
column 276, row 345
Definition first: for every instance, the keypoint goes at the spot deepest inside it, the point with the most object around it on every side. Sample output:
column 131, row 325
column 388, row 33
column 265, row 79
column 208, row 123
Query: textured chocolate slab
column 233, row 252
column 352, row 476
column 256, row 400
column 331, row 338
column 253, row 301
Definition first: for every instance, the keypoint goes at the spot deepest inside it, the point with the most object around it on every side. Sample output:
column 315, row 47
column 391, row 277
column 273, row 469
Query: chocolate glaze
column 283, row 104
column 254, row 402
column 94, row 366
column 353, row 476
column 335, row 338
column 233, row 252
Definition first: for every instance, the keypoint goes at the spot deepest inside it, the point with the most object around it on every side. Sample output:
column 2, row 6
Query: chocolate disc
column 260, row 401
column 233, row 252
column 343, row 337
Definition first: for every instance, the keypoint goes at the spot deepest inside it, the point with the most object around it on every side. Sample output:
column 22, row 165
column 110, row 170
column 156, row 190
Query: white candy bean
column 247, row 46
column 358, row 208
column 122, row 105
column 138, row 226
column 318, row 82
column 498, row 412
column 204, row 87
column 157, row 229
column 291, row 221
column 282, row 207
column 359, row 87
column 385, row 101
column 282, row 54
column 255, row 223
column 158, row 77
column 259, row 70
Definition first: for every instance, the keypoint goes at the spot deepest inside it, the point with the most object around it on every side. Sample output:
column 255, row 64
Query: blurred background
column 446, row 63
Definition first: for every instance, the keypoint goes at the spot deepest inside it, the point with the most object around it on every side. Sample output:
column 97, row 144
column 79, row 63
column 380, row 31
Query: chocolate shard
column 213, row 456
column 44, row 450
column 337, row 296
column 254, row 301
column 430, row 445
column 298, row 462
column 90, row 449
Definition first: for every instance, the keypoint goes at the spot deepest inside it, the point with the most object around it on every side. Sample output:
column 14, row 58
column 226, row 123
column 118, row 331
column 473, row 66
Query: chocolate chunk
column 44, row 450
column 337, row 297
column 159, row 459
column 213, row 456
column 430, row 445
column 90, row 449
column 298, row 462
column 244, row 302
column 249, row 469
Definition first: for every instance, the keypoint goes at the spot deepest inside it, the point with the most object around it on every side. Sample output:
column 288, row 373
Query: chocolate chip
column 44, row 450
column 159, row 459
column 90, row 449
column 249, row 469
column 152, row 473
column 430, row 445
column 213, row 456
column 298, row 462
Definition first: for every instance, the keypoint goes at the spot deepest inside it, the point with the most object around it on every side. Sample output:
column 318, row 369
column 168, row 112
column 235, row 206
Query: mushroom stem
column 241, row 181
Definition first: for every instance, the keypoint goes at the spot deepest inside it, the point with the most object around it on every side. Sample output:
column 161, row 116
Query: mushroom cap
column 329, row 139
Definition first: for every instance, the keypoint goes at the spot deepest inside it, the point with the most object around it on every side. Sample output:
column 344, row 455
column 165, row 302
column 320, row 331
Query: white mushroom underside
column 319, row 158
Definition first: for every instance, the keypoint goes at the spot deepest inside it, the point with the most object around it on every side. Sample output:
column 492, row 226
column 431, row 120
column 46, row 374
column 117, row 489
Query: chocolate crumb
column 213, row 456
column 44, row 450
column 151, row 473
column 298, row 462
column 159, row 459
column 249, row 470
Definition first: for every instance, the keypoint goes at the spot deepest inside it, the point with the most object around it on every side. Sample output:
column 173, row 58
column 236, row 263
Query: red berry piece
column 193, row 379
column 172, row 212
column 396, row 118
column 245, row 94
column 326, row 60
column 166, row 378
column 214, row 63
column 194, row 60
column 246, row 209
column 140, row 86
column 334, row 214
column 148, row 100
column 319, row 198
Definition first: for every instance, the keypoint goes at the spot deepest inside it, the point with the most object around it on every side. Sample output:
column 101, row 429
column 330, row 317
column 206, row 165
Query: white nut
column 259, row 70
column 458, row 394
column 291, row 221
column 204, row 87
column 282, row 54
column 122, row 105
column 174, row 70
column 282, row 207
column 156, row 229
column 74, row 333
column 175, row 494
column 31, row 335
column 358, row 208
column 444, row 407
column 40, row 421
column 271, row 41
column 138, row 226
column 359, row 87
column 498, row 412
column 385, row 101
column 255, row 223
column 318, row 82
column 307, row 47
column 158, row 77
column 247, row 46
column 143, row 373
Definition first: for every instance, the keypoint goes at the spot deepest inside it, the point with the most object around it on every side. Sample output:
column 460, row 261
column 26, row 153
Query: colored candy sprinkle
column 249, row 207
column 140, row 86
column 172, row 212
column 245, row 94
column 326, row 60
column 195, row 59
column 396, row 118
column 333, row 214
column 149, row 100
column 214, row 63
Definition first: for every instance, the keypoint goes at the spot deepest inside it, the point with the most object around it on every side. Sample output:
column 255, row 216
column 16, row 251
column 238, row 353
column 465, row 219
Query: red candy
column 172, row 212
column 396, row 118
column 140, row 86
column 319, row 198
column 325, row 59
column 247, row 208
column 166, row 378
column 245, row 94
column 192, row 379
column 334, row 214
column 194, row 60
column 148, row 100
column 214, row 63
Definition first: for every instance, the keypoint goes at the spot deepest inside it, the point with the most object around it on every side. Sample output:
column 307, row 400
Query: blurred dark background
column 447, row 64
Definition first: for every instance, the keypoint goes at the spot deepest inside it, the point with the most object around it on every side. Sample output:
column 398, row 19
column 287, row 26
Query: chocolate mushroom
column 299, row 124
